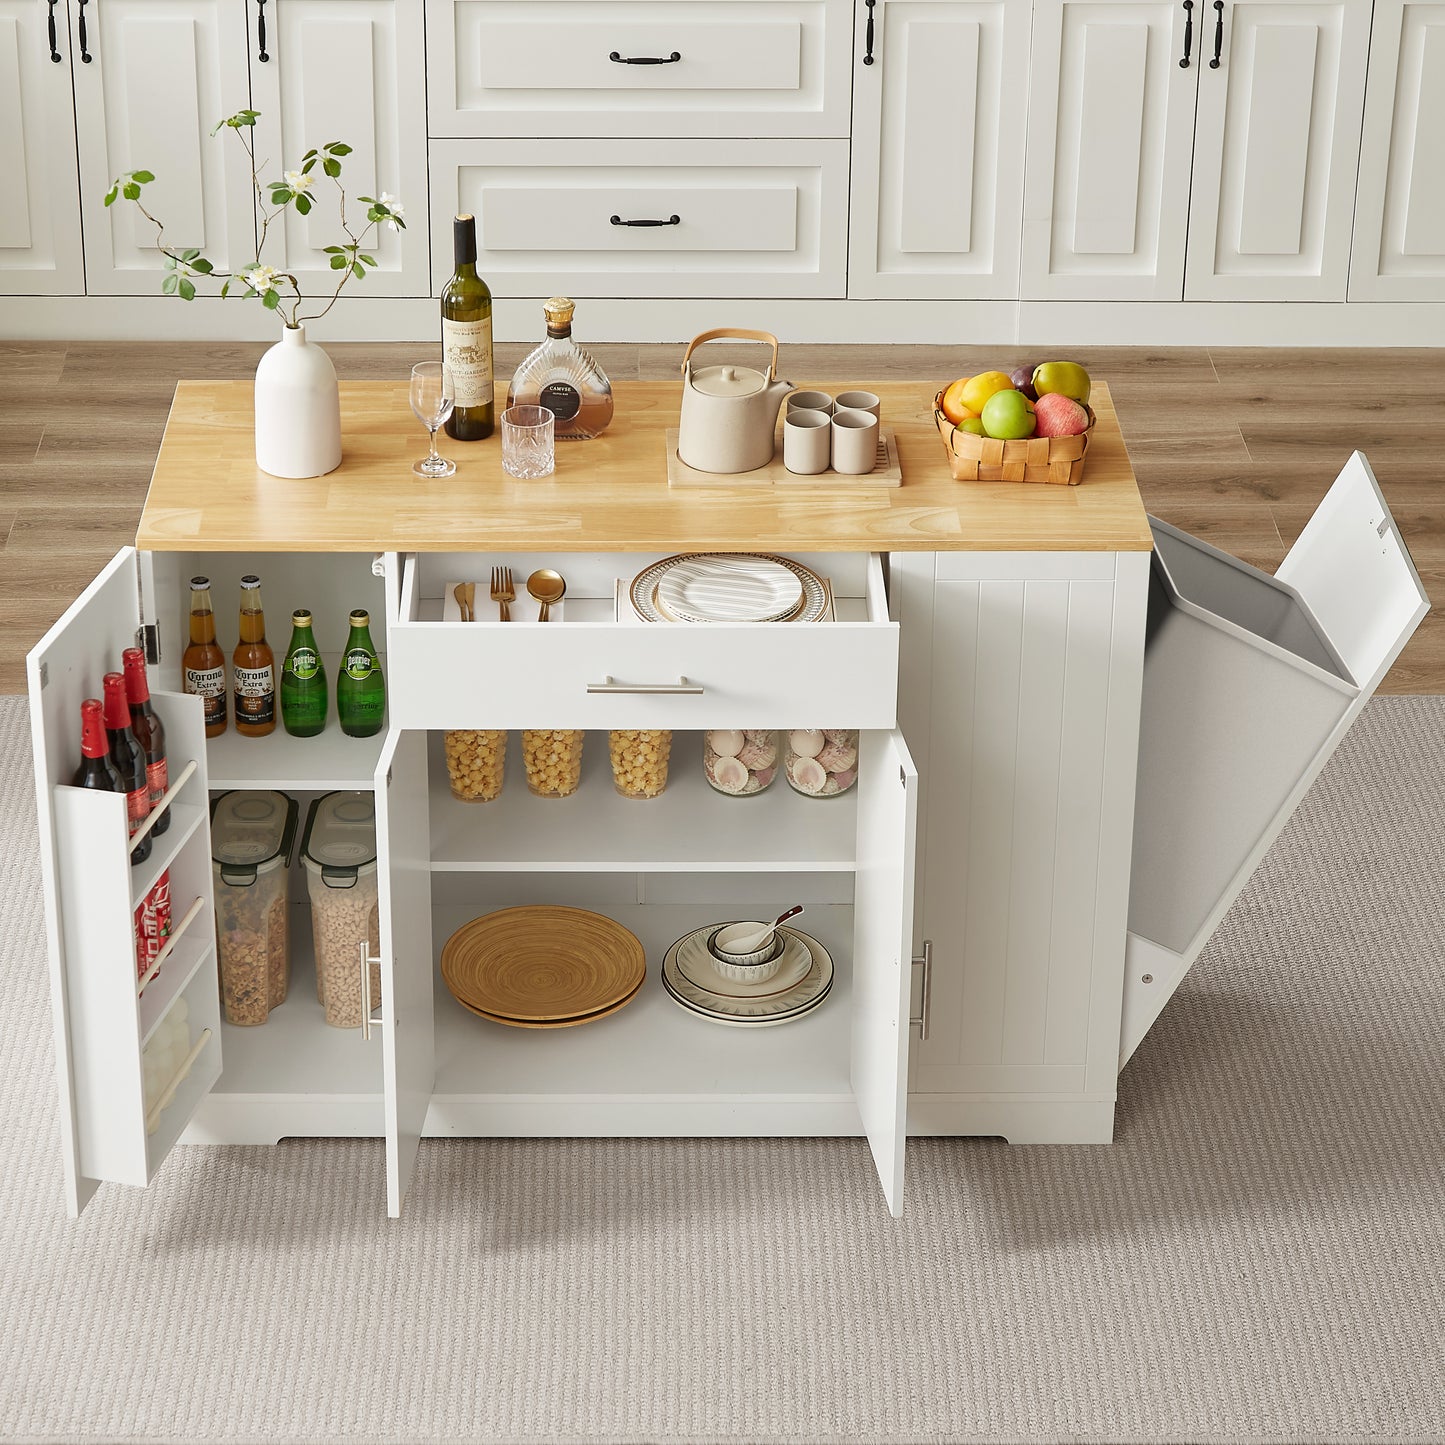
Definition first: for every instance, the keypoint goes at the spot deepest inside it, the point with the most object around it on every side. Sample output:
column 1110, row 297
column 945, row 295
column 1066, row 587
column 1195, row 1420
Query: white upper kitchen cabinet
column 1276, row 147
column 352, row 71
column 162, row 73
column 40, row 222
column 1110, row 133
column 939, row 92
column 1399, row 246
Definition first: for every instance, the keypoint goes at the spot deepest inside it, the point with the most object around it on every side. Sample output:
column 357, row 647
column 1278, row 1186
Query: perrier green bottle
column 360, row 689
column 303, row 681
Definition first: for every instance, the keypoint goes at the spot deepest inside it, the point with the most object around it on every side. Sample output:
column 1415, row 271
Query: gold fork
column 460, row 593
column 503, row 592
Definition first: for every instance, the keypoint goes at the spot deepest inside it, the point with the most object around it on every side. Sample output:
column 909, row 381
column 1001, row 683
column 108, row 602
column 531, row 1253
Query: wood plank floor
column 1236, row 446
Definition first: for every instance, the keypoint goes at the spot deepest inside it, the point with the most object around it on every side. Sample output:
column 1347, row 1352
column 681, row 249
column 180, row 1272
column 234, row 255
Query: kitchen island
column 973, row 887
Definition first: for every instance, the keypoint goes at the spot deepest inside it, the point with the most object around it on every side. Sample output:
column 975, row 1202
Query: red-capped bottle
column 96, row 769
column 129, row 761
column 149, row 730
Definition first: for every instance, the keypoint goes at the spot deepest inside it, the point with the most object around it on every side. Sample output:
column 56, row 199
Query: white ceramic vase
column 298, row 409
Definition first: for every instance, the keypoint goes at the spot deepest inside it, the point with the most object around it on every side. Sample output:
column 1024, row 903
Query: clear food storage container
column 554, row 761
column 476, row 763
column 740, row 763
column 339, row 851
column 251, row 837
column 639, row 760
column 821, row 762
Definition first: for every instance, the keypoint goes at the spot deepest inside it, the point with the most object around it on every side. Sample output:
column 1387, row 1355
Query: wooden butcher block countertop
column 607, row 495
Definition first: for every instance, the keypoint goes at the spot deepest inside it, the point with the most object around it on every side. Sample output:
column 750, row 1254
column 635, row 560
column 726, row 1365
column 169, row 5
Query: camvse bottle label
column 255, row 694
column 209, row 683
column 360, row 664
column 302, row 664
column 562, row 399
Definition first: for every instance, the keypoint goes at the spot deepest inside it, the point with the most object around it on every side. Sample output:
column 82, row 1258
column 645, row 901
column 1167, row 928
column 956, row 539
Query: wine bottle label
column 302, row 663
column 467, row 350
column 255, row 694
column 562, row 399
column 137, row 808
column 157, row 780
column 360, row 664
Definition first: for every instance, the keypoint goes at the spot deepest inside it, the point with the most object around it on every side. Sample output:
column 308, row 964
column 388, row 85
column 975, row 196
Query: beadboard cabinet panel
column 40, row 251
column 1276, row 148
column 639, row 68
column 162, row 74
column 346, row 70
column 1399, row 243
column 938, row 164
column 1110, row 133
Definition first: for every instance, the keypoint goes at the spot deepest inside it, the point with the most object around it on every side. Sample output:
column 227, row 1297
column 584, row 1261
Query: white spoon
column 751, row 945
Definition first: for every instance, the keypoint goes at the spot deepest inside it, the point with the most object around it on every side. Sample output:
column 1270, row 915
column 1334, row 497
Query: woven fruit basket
column 1034, row 459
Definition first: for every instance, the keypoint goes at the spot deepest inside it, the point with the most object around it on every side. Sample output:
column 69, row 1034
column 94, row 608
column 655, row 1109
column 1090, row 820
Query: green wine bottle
column 303, row 681
column 467, row 339
column 360, row 688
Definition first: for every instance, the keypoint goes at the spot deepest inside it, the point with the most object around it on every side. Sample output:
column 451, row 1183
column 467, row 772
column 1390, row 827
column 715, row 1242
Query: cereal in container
column 821, row 762
column 554, row 761
column 251, row 837
column 639, row 760
column 476, row 763
column 740, row 762
column 339, row 851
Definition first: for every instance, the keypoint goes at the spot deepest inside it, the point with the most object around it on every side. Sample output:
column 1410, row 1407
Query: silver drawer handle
column 919, row 1020
column 681, row 686
column 367, row 1002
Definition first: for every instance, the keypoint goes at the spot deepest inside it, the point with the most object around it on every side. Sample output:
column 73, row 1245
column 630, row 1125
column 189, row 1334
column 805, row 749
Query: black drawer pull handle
column 261, row 32
column 84, row 49
column 50, row 25
column 672, row 59
column 1218, row 33
column 1188, row 33
column 670, row 221
column 868, row 35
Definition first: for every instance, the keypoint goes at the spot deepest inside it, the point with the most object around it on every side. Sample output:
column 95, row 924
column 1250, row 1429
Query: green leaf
column 339, row 263
column 332, row 169
column 303, row 205
column 225, row 288
column 170, row 261
column 169, row 284
column 202, row 265
column 339, row 150
column 191, row 254
column 112, row 193
column 370, row 260
column 272, row 299
column 144, row 177
column 401, row 225
column 130, row 191
column 357, row 271
column 367, row 200
column 280, row 195
column 333, row 250
column 187, row 289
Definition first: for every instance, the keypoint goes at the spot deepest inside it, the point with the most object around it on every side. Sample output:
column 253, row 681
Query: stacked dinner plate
column 543, row 968
column 728, row 587
column 803, row 980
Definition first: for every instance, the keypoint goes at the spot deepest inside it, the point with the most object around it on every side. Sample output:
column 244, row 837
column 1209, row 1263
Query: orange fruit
column 952, row 405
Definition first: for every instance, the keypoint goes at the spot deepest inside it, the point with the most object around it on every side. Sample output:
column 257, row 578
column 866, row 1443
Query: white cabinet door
column 403, row 834
column 352, row 71
column 1275, row 151
column 114, row 1124
column 40, row 250
column 938, row 153
column 1110, row 132
column 1399, row 244
column 162, row 74
column 882, row 949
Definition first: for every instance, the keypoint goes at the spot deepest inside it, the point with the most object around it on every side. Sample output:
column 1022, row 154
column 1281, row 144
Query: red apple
column 1058, row 415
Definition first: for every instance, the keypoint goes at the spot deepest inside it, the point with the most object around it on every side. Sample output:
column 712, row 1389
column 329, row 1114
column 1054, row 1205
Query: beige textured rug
column 1260, row 1256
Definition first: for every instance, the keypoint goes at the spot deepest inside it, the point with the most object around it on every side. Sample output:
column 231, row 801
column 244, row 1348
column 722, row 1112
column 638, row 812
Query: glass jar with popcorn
column 476, row 762
column 639, row 760
column 821, row 762
column 553, row 757
column 740, row 763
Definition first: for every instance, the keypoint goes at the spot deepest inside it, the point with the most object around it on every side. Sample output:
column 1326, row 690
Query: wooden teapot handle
column 742, row 334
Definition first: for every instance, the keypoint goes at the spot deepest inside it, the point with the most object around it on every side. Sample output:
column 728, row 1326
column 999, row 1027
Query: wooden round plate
column 542, row 964
column 601, row 1013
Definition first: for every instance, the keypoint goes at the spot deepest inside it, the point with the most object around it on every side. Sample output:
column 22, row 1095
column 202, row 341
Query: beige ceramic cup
column 859, row 401
column 855, row 442
column 810, row 401
column 807, row 441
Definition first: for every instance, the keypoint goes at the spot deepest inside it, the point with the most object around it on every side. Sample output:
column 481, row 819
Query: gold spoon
column 546, row 587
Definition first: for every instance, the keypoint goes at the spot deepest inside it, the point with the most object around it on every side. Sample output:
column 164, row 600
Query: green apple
column 973, row 424
column 1008, row 416
column 1067, row 378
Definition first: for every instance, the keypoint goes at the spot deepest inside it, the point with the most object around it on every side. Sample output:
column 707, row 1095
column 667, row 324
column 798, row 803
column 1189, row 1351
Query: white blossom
column 261, row 278
column 299, row 181
column 393, row 205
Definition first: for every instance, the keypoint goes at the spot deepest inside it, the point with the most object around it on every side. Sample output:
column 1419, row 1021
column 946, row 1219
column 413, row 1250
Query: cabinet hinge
column 388, row 777
column 148, row 639
column 44, row 675
column 378, row 565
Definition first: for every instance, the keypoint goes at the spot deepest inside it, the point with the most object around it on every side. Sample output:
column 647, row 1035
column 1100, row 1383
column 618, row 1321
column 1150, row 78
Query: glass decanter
column 562, row 377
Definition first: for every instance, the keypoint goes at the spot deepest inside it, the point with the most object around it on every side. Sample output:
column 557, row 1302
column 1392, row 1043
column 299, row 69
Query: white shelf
column 652, row 1050
column 690, row 828
column 171, row 982
column 185, row 819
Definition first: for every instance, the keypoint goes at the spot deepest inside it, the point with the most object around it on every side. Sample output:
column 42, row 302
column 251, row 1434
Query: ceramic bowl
column 753, row 967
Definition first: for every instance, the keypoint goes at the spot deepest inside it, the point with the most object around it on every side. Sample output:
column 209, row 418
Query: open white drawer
column 594, row 670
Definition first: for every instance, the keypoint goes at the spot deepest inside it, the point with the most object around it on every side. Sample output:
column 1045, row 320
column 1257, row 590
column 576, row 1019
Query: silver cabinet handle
column 678, row 688
column 367, row 1022
column 924, row 961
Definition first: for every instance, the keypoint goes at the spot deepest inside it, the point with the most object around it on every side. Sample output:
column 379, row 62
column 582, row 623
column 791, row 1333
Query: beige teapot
column 729, row 413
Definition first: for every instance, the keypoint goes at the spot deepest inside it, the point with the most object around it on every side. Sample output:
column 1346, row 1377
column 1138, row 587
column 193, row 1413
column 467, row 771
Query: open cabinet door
column 403, row 836
column 882, row 949
column 120, row 1112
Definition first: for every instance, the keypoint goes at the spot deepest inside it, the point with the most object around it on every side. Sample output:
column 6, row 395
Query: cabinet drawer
column 561, row 67
column 526, row 674
column 755, row 218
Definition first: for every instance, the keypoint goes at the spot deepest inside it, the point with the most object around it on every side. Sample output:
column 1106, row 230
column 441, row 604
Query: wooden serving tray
column 886, row 472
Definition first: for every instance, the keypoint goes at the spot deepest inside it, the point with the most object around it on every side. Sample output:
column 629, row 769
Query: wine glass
column 432, row 399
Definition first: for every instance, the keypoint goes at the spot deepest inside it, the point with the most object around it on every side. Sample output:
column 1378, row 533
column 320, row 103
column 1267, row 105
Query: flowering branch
column 278, row 291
